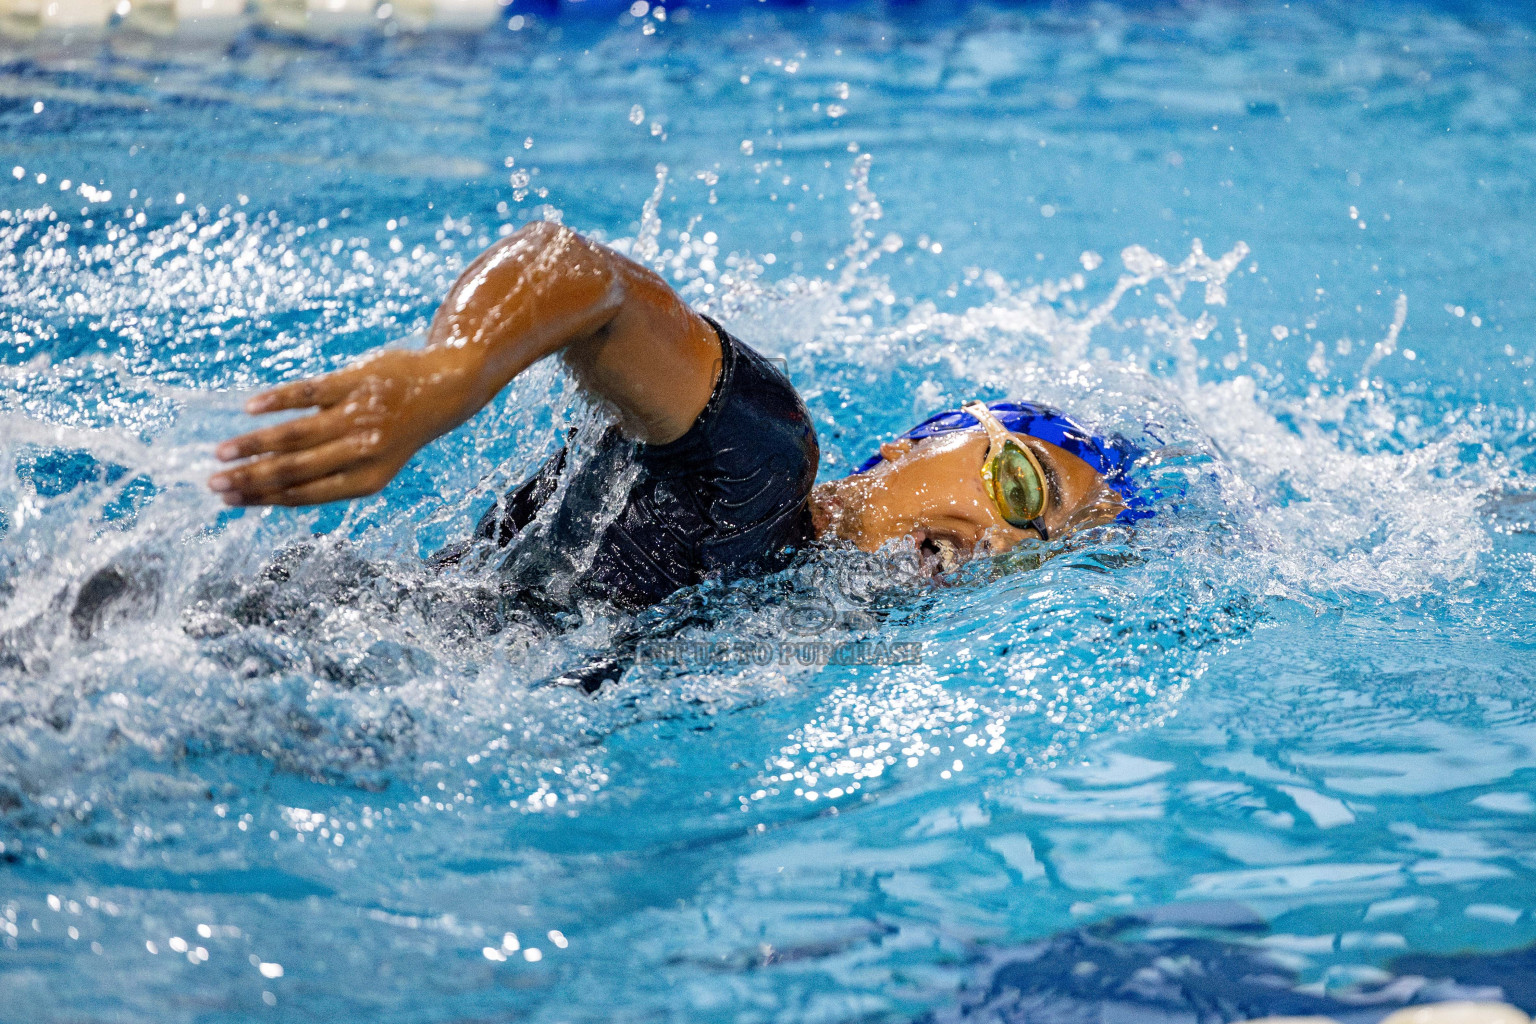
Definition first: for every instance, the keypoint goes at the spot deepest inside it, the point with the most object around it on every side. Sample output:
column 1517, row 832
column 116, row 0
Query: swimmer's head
column 928, row 485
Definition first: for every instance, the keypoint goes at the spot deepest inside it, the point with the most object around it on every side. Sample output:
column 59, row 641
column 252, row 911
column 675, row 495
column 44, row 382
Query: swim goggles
column 1012, row 475
column 1113, row 457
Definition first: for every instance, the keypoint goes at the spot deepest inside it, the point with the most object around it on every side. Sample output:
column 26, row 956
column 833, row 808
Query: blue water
column 269, row 768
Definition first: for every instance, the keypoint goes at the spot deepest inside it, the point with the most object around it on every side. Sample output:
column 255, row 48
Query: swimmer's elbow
column 588, row 274
column 546, row 245
column 542, row 234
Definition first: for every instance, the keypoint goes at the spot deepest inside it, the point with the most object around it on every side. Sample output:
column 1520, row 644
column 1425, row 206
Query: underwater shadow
column 1105, row 972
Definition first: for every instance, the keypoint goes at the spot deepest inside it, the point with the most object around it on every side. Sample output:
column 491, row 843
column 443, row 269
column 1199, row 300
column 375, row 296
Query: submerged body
column 710, row 468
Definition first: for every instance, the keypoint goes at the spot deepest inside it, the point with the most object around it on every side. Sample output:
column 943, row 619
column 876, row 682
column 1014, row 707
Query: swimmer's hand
column 371, row 419
column 629, row 339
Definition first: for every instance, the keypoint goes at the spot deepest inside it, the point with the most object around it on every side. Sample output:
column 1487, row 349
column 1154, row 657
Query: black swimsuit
column 727, row 498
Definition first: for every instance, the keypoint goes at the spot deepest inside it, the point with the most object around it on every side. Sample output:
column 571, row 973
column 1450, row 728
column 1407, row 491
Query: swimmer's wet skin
column 713, row 446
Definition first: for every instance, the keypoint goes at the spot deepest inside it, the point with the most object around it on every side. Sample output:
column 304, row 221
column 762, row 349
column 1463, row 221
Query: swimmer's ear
column 890, row 451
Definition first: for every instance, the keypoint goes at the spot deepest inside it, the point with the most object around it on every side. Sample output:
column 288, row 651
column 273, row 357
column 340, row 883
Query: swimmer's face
column 931, row 491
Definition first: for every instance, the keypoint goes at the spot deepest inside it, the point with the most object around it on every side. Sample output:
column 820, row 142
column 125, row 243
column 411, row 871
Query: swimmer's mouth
column 937, row 555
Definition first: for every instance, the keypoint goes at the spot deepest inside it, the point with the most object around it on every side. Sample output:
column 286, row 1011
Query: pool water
column 1273, row 750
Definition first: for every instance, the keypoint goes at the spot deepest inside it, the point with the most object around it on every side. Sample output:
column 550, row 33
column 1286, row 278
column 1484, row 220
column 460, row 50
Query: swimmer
column 711, row 466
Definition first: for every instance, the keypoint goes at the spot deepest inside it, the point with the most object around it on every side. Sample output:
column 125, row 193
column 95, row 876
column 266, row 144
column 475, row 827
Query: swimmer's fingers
column 304, row 394
column 354, row 483
column 268, row 480
column 295, row 435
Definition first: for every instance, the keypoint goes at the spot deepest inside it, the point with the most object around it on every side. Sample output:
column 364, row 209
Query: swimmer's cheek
column 996, row 541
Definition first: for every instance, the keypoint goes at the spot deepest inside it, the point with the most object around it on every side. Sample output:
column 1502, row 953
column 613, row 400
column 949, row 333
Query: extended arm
column 628, row 338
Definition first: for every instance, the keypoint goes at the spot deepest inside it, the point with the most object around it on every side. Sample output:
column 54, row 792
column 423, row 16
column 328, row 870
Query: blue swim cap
column 1111, row 457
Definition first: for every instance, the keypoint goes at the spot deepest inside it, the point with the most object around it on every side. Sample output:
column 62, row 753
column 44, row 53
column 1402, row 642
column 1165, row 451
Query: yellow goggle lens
column 1016, row 486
